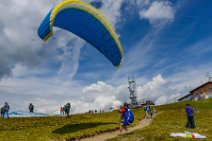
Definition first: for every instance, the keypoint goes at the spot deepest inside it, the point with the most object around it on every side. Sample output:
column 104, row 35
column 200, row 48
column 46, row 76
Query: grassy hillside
column 60, row 128
column 173, row 119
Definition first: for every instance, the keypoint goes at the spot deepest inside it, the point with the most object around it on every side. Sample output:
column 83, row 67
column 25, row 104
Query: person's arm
column 187, row 110
column 195, row 110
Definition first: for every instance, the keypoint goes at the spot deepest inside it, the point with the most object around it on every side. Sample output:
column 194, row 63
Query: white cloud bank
column 21, row 46
column 112, row 10
column 158, row 11
column 19, row 21
column 25, row 55
column 158, row 91
column 48, row 94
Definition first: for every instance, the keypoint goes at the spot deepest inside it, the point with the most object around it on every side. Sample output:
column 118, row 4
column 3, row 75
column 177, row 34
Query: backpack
column 6, row 108
column 145, row 109
column 129, row 117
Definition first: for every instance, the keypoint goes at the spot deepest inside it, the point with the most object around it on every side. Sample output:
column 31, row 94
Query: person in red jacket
column 61, row 111
column 122, row 111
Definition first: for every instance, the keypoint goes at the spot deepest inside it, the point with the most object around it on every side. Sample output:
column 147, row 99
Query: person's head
column 6, row 103
column 125, row 104
column 188, row 104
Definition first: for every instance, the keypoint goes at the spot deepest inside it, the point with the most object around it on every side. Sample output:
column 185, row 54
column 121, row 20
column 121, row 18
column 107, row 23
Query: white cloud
column 25, row 55
column 151, row 89
column 158, row 11
column 112, row 10
column 50, row 93
column 158, row 91
column 18, row 35
column 99, row 86
column 155, row 83
column 21, row 44
column 161, row 100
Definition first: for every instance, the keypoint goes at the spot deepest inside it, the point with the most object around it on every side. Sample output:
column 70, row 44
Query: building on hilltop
column 201, row 92
column 148, row 102
column 186, row 97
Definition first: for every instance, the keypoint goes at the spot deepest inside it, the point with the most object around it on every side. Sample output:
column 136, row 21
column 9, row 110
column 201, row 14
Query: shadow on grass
column 70, row 128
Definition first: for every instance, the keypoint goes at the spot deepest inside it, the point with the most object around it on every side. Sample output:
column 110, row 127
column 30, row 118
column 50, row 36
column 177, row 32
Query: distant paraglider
column 86, row 22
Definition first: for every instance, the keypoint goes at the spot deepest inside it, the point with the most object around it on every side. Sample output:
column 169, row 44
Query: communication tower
column 209, row 76
column 132, row 89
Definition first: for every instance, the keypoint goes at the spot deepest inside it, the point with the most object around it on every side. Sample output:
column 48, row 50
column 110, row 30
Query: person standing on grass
column 146, row 110
column 67, row 109
column 31, row 108
column 2, row 112
column 61, row 111
column 150, row 111
column 190, row 116
column 6, row 110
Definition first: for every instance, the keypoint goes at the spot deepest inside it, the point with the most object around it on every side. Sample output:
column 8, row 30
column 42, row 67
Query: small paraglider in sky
column 88, row 23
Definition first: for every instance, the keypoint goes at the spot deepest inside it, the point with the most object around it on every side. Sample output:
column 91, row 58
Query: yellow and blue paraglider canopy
column 88, row 23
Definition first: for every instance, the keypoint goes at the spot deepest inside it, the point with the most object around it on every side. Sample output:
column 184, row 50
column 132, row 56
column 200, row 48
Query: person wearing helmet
column 122, row 111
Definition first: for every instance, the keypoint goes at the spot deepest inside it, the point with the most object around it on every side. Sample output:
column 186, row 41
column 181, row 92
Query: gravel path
column 108, row 135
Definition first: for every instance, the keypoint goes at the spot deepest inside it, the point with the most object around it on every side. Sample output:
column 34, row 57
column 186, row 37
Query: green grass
column 173, row 119
column 61, row 128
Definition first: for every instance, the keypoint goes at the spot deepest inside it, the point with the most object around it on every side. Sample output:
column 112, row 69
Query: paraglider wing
column 88, row 23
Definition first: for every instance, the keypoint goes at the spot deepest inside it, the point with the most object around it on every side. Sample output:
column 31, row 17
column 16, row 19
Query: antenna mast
column 132, row 89
column 209, row 76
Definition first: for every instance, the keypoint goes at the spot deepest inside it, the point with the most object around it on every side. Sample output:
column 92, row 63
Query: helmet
column 125, row 104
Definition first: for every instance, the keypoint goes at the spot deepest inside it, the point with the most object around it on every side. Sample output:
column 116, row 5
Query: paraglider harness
column 127, row 118
column 67, row 108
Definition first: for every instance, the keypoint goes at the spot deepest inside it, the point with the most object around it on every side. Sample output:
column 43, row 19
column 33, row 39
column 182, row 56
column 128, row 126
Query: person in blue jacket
column 127, row 117
column 190, row 116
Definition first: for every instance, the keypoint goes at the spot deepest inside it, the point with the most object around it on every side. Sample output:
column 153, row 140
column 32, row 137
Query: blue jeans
column 190, row 122
column 6, row 114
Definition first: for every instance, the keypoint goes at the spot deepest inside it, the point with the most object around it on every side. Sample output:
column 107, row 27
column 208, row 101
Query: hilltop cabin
column 201, row 92
column 149, row 102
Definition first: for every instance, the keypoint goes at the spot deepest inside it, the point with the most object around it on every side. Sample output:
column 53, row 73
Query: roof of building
column 184, row 97
column 209, row 82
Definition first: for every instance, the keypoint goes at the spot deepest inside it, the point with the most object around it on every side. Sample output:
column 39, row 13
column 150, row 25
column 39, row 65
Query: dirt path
column 108, row 135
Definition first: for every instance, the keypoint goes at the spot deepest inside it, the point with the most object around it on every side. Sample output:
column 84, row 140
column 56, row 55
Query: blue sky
column 171, row 48
column 167, row 48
